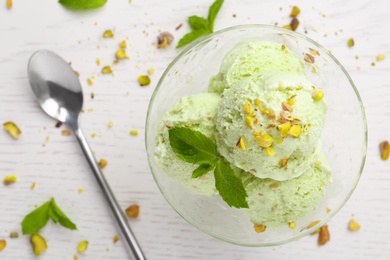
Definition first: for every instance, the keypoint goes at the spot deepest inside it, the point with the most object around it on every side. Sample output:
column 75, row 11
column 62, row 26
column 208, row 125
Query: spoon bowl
column 56, row 86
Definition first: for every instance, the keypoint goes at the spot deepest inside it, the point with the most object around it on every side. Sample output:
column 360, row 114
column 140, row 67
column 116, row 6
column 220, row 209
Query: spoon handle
column 120, row 218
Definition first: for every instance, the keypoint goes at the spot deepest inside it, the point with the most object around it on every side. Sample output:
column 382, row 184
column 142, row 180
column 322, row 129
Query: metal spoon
column 59, row 93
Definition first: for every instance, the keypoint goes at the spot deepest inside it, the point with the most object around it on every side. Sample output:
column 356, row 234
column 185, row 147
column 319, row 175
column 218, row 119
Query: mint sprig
column 201, row 26
column 39, row 217
column 194, row 147
column 82, row 4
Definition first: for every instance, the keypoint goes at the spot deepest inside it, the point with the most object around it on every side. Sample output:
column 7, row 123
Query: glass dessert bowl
column 277, row 108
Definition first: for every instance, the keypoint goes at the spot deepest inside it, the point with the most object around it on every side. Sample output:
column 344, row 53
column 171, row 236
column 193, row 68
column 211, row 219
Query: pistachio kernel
column 380, row 57
column 323, row 236
column 350, row 42
column 312, row 224
column 38, row 243
column 284, row 129
column 294, row 24
column 278, row 140
column 12, row 129
column 274, row 185
column 287, row 26
column 295, row 130
column 3, row 244
column 151, row 71
column 309, row 58
column 264, row 140
column 106, row 70
column 132, row 211
column 317, row 94
column 14, row 235
column 257, row 133
column 82, row 246
column 291, row 101
column 287, row 107
column 270, row 151
column 90, row 82
column 102, row 163
column 110, row 123
column 241, row 143
column 9, row 4
column 164, row 40
column 108, row 34
column 257, row 101
column 9, row 180
column 123, row 44
column 98, row 62
column 384, row 149
column 259, row 228
column 115, row 239
column 292, row 225
column 295, row 11
column 66, row 132
column 247, row 107
column 314, row 52
column 353, row 225
column 133, row 132
column 283, row 162
column 144, row 80
column 249, row 121
column 121, row 54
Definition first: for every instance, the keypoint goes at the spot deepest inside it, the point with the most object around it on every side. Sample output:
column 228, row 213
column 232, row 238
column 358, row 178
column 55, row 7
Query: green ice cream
column 253, row 57
column 196, row 112
column 277, row 203
column 269, row 125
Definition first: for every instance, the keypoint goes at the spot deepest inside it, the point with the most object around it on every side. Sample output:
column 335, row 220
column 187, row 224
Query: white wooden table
column 59, row 168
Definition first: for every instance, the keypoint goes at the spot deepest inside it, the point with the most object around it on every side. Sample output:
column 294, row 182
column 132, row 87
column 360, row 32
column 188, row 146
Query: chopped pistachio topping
column 121, row 54
column 106, row 70
column 270, row 151
column 317, row 94
column 284, row 129
column 110, row 123
column 350, row 42
column 247, row 107
column 12, row 129
column 288, row 27
column 287, row 107
column 353, row 225
column 249, row 121
column 144, row 80
column 132, row 211
column 151, row 71
column 115, row 239
column 295, row 130
column 292, row 225
column 264, row 140
column 134, row 132
column 241, row 143
column 102, row 163
column 90, row 82
column 294, row 24
column 380, row 57
column 323, row 236
column 283, row 162
column 312, row 224
column 66, row 132
column 82, row 246
column 98, row 62
column 8, row 180
column 38, row 243
column 259, row 228
column 108, row 34
column 384, row 149
column 123, row 44
column 274, row 185
column 164, row 39
column 257, row 102
column 295, row 11
column 3, row 244
column 309, row 58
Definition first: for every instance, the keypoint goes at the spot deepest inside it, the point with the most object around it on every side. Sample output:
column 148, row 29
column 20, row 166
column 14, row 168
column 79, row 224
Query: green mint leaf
column 61, row 217
column 197, row 22
column 192, row 146
column 202, row 170
column 213, row 12
column 82, row 4
column 192, row 36
column 229, row 185
column 36, row 219
column 53, row 215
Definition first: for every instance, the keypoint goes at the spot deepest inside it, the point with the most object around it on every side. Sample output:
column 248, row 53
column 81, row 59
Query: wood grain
column 59, row 168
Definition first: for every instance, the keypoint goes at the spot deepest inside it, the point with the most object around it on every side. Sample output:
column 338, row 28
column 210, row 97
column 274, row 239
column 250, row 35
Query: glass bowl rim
column 297, row 35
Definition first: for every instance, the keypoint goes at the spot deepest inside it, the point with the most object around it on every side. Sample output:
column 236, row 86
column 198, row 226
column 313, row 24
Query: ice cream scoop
column 270, row 124
column 254, row 57
column 198, row 113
